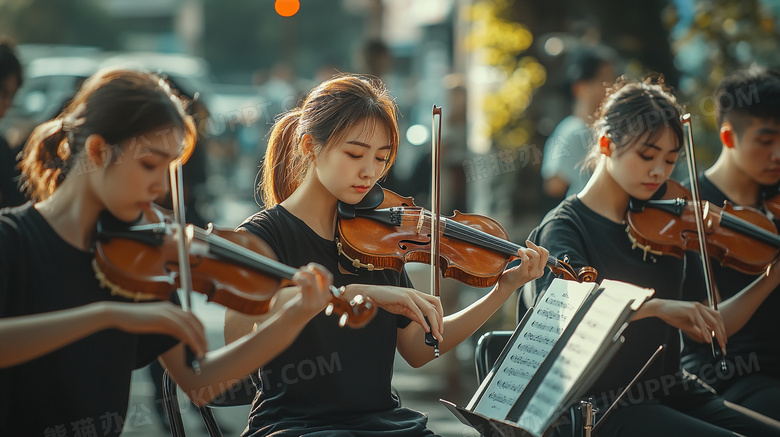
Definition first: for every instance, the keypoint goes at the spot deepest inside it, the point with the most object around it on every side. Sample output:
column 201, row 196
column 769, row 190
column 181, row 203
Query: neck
column 582, row 109
column 738, row 186
column 72, row 212
column 315, row 205
column 603, row 195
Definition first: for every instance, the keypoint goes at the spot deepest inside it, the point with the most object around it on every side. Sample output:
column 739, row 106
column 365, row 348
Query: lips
column 651, row 186
column 360, row 188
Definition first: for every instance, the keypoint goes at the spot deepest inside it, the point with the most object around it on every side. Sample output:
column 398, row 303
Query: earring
column 604, row 146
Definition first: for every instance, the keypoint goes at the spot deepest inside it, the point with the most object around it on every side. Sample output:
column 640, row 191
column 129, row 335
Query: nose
column 162, row 184
column 776, row 152
column 658, row 170
column 367, row 169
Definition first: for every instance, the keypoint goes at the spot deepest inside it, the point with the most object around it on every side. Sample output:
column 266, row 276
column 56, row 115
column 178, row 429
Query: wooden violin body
column 234, row 269
column 475, row 249
column 739, row 237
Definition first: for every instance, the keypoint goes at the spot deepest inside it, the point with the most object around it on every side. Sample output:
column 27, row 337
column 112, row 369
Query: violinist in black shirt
column 639, row 135
column 747, row 105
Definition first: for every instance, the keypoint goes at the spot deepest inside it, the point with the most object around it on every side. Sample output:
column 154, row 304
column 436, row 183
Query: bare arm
column 222, row 368
column 238, row 324
column 738, row 309
column 463, row 324
column 28, row 337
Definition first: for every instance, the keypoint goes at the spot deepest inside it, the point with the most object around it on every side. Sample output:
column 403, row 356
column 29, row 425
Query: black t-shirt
column 754, row 348
column 330, row 378
column 590, row 239
column 80, row 389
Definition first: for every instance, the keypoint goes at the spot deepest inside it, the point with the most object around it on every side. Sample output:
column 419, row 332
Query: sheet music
column 594, row 331
column 535, row 341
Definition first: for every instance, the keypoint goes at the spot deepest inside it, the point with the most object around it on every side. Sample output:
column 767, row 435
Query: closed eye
column 353, row 156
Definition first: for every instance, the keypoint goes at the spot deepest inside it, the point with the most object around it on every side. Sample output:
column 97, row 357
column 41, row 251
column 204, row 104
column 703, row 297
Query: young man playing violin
column 747, row 171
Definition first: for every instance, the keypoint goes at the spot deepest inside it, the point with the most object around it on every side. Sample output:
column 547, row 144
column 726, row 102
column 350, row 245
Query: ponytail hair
column 43, row 166
column 327, row 114
column 117, row 105
column 281, row 160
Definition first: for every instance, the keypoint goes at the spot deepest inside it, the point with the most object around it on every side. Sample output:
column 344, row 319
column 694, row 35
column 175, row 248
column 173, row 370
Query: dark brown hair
column 327, row 113
column 634, row 110
column 750, row 93
column 115, row 104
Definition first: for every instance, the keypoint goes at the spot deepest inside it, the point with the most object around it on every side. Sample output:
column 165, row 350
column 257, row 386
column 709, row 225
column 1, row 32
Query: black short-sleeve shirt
column 82, row 388
column 330, row 378
column 589, row 239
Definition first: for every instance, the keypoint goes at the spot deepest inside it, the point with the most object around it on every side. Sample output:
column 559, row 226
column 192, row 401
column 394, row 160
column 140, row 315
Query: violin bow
column 184, row 232
column 709, row 281
column 435, row 215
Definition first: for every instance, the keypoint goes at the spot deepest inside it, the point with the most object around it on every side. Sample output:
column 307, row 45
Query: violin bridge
column 420, row 222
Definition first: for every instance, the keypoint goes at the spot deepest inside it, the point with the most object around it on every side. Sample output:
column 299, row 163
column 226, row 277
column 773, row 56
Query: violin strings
column 469, row 234
column 238, row 253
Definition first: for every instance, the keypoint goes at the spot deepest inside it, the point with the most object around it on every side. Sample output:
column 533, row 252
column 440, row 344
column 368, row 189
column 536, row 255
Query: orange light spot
column 287, row 8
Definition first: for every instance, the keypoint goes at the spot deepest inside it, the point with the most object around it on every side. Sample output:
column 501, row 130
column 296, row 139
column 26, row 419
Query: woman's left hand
column 533, row 260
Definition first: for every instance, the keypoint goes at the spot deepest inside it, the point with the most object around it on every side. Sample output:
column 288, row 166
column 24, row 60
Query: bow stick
column 435, row 215
column 709, row 282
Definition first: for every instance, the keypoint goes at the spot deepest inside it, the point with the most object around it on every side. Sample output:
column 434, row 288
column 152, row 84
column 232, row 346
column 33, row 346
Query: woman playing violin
column 748, row 114
column 67, row 346
column 334, row 148
column 639, row 136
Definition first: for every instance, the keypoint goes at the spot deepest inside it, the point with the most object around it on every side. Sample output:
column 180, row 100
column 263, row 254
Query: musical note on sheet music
column 590, row 334
column 532, row 345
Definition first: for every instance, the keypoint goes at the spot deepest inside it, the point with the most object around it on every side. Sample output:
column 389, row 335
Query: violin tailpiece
column 354, row 261
column 116, row 290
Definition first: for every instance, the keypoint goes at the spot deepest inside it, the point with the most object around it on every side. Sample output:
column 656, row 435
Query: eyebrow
column 367, row 146
column 767, row 131
column 158, row 152
column 676, row 149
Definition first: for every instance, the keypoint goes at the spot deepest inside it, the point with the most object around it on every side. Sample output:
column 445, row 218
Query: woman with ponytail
column 67, row 346
column 335, row 147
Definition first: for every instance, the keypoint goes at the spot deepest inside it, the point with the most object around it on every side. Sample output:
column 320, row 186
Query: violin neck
column 235, row 253
column 749, row 229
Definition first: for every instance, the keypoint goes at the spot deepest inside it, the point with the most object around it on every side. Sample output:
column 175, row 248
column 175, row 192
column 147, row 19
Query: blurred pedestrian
column 587, row 72
column 10, row 82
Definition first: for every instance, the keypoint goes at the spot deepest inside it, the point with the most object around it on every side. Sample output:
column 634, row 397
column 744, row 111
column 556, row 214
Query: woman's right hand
column 407, row 302
column 696, row 320
column 158, row 318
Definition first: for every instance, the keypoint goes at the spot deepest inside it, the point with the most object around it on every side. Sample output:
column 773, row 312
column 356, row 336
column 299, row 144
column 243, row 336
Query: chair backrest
column 489, row 347
column 240, row 394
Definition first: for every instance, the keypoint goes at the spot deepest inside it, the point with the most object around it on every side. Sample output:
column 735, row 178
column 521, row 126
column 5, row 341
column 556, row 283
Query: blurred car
column 49, row 83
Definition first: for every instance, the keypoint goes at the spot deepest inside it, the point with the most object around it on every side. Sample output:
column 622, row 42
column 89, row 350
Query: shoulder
column 14, row 220
column 563, row 228
column 275, row 226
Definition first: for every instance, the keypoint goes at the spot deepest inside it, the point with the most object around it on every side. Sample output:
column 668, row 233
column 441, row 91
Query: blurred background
column 500, row 69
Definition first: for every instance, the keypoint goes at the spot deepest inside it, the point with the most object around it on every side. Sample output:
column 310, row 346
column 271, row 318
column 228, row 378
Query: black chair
column 489, row 347
column 241, row 394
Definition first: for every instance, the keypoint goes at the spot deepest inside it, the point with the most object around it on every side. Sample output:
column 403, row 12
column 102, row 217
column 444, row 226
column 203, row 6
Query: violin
column 386, row 230
column 233, row 269
column 739, row 237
